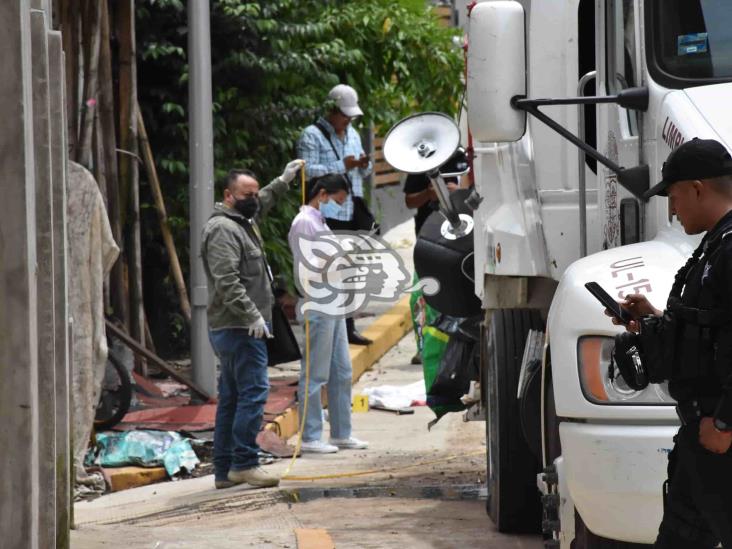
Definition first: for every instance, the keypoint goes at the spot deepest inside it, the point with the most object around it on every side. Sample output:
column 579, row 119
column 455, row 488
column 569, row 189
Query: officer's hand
column 291, row 170
column 638, row 306
column 632, row 326
column 711, row 439
column 259, row 329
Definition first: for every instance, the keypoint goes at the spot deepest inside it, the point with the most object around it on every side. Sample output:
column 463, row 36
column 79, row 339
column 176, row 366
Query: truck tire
column 513, row 497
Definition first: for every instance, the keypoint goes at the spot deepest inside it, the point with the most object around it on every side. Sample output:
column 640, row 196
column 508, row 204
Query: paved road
column 432, row 505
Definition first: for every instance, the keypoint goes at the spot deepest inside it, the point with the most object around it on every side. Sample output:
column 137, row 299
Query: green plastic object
column 431, row 342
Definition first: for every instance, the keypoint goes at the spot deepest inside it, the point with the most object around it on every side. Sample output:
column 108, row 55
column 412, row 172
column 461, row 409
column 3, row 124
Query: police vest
column 693, row 337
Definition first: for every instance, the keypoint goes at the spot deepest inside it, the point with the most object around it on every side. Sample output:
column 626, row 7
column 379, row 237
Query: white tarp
column 92, row 252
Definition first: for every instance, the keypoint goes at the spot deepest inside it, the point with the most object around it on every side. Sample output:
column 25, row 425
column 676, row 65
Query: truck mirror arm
column 637, row 179
column 456, row 225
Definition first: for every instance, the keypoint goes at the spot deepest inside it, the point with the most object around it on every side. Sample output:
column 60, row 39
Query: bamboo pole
column 90, row 22
column 152, row 174
column 129, row 173
column 70, row 37
column 152, row 357
column 108, row 143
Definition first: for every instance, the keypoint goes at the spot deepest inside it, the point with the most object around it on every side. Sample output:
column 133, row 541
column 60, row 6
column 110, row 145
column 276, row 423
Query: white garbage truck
column 573, row 106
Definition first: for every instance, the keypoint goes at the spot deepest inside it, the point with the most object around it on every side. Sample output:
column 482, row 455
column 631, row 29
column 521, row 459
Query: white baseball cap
column 346, row 99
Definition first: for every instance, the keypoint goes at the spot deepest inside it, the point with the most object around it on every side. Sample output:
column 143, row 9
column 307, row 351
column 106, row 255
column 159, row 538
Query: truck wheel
column 513, row 497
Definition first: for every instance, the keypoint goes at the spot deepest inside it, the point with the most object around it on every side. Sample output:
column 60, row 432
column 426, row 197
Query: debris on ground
column 90, row 485
column 144, row 448
column 396, row 398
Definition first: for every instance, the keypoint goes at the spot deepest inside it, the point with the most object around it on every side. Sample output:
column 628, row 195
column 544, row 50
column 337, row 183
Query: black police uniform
column 698, row 366
column 698, row 505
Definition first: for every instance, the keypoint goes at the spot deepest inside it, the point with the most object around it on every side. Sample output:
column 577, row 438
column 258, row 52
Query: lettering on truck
column 629, row 278
column 671, row 134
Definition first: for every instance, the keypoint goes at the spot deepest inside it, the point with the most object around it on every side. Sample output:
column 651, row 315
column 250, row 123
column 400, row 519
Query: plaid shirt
column 320, row 159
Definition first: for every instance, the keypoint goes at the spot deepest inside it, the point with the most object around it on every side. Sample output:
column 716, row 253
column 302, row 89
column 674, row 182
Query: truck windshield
column 693, row 39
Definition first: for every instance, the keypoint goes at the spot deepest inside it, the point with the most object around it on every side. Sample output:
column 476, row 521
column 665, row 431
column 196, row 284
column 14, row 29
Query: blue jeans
column 330, row 363
column 243, row 390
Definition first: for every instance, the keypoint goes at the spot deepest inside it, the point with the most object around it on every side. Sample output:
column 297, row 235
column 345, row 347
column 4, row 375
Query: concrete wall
column 34, row 431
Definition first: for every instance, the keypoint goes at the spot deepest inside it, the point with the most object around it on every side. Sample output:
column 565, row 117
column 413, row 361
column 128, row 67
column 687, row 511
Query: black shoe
column 417, row 358
column 357, row 339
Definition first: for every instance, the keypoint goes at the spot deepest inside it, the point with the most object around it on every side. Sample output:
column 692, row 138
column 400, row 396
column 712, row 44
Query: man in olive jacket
column 239, row 313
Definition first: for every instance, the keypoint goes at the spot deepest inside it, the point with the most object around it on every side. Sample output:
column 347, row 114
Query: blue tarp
column 145, row 449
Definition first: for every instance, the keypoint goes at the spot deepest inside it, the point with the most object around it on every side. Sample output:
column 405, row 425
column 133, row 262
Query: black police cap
column 695, row 159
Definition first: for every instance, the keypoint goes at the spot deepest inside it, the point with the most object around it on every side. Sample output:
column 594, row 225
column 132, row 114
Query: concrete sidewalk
column 437, row 503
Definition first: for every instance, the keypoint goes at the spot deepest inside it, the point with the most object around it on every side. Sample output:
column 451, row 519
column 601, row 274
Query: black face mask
column 247, row 207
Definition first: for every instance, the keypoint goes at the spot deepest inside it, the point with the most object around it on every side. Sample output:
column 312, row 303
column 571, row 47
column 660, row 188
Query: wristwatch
column 721, row 426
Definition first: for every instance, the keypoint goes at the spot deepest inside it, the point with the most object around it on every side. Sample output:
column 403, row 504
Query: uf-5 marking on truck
column 629, row 279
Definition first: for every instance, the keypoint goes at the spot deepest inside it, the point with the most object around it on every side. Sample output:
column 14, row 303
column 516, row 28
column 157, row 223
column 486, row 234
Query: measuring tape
column 307, row 360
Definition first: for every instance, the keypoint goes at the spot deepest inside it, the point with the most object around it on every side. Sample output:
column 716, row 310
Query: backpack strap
column 330, row 142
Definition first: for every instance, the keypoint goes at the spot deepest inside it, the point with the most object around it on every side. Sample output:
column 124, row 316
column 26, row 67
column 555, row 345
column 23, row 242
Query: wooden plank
column 152, row 175
column 123, row 478
column 384, row 168
column 387, row 179
column 313, row 538
column 155, row 359
column 444, row 15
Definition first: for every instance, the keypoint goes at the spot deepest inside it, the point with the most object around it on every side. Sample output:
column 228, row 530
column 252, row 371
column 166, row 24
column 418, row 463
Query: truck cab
column 554, row 217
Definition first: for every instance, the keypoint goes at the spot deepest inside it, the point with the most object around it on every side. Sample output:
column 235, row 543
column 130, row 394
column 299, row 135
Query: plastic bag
column 144, row 448
column 458, row 367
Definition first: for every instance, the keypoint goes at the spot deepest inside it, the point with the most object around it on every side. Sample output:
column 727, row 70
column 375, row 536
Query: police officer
column 697, row 178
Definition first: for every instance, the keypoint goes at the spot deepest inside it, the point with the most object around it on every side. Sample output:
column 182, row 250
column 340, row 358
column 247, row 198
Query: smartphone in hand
column 610, row 304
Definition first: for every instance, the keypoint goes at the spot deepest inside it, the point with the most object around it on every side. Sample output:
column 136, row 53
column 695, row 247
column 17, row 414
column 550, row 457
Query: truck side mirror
column 496, row 71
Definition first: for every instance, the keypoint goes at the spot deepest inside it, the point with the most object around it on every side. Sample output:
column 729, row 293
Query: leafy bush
column 273, row 64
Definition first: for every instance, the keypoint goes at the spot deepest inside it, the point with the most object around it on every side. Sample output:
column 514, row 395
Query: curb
column 385, row 332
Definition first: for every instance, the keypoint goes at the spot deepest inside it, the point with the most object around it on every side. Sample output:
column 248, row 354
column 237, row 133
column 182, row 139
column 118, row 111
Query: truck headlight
column 601, row 381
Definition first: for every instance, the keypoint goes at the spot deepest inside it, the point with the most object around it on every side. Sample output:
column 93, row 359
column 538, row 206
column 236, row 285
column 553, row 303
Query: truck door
column 619, row 63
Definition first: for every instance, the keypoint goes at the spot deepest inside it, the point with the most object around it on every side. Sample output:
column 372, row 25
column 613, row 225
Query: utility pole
column 200, row 128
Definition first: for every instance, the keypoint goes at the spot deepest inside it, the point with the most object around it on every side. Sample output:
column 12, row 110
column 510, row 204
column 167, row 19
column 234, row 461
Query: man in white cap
column 331, row 145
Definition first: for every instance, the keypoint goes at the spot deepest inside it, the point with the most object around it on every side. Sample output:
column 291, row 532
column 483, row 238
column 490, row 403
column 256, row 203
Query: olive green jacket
column 239, row 286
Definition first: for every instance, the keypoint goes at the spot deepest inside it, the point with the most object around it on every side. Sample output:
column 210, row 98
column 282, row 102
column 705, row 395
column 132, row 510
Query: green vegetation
column 273, row 64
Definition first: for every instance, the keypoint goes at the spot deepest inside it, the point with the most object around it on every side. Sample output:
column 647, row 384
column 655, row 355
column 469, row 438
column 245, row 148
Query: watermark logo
column 339, row 273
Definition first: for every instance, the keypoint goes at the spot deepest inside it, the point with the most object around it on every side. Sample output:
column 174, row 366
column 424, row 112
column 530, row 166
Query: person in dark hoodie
column 239, row 312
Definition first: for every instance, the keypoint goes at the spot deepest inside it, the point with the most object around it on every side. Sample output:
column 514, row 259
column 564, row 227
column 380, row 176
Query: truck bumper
column 614, row 474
